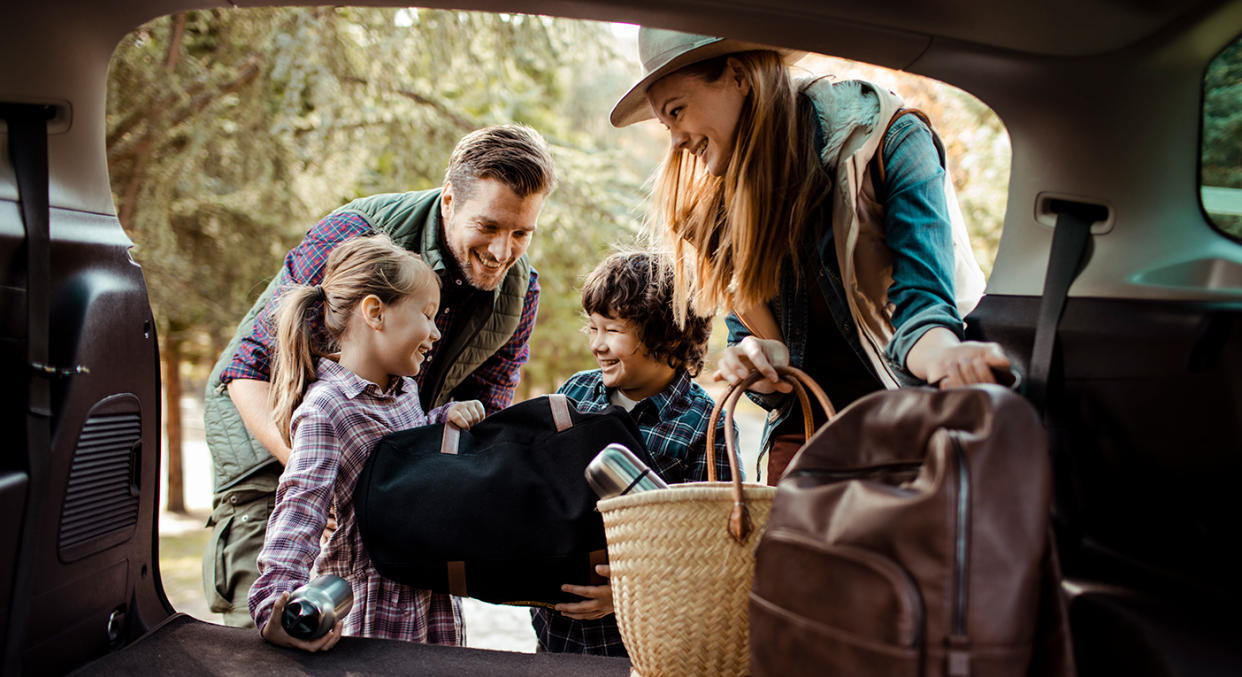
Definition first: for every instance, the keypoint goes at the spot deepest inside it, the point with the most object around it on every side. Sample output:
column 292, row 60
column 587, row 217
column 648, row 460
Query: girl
column 377, row 304
column 817, row 213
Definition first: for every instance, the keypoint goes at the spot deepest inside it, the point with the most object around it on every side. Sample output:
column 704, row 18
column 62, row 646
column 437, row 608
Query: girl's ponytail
column 293, row 365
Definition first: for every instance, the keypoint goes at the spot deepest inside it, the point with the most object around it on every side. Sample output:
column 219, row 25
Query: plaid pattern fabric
column 674, row 427
column 673, row 423
column 493, row 383
column 339, row 420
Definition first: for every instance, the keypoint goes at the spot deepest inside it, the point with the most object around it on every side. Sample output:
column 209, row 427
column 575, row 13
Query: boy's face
column 624, row 360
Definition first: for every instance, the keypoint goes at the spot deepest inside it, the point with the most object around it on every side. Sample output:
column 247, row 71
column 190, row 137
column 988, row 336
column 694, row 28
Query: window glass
column 1221, row 170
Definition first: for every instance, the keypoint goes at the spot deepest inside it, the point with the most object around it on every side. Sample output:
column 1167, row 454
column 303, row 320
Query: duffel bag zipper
column 958, row 649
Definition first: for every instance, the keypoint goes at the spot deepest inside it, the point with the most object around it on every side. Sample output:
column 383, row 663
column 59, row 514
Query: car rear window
column 1220, row 178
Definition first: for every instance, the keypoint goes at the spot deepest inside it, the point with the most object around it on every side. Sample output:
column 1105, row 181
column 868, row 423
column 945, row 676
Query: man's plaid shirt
column 493, row 383
column 674, row 424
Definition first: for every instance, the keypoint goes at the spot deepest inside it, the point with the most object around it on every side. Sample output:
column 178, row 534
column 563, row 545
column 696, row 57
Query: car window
column 1220, row 175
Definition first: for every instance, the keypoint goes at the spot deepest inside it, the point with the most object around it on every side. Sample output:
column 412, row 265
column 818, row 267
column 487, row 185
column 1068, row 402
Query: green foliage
column 231, row 132
column 1222, row 129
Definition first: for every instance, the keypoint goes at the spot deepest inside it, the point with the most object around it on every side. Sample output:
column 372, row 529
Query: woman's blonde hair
column 729, row 235
column 357, row 268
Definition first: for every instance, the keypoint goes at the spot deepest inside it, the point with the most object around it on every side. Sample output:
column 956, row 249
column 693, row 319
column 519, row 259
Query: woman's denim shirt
column 917, row 230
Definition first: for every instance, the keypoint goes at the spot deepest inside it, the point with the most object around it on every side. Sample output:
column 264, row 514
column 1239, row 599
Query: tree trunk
column 172, row 421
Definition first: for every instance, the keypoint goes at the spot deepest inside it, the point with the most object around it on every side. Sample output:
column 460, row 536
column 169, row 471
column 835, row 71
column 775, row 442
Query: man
column 474, row 232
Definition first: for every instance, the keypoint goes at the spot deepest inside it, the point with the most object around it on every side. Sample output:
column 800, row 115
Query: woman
column 817, row 213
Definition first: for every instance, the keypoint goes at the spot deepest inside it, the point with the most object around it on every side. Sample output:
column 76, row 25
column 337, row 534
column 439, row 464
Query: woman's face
column 701, row 116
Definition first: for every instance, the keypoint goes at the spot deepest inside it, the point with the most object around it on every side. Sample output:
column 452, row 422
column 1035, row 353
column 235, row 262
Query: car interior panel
column 1103, row 103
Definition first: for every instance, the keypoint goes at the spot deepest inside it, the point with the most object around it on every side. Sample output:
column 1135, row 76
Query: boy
column 646, row 366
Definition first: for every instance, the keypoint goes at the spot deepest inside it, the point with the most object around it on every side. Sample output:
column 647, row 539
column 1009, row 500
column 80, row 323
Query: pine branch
column 197, row 104
column 462, row 123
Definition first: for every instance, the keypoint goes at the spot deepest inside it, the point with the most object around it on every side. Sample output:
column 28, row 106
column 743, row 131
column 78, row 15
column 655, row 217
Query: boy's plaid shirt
column 674, row 424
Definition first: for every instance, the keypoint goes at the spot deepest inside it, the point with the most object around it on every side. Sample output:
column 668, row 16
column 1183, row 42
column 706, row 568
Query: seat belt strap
column 27, row 125
column 1065, row 261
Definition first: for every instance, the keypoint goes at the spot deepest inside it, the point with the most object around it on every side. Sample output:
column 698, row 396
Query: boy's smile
column 624, row 362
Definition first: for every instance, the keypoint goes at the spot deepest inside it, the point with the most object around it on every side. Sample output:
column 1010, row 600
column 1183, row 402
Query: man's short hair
column 515, row 155
column 638, row 286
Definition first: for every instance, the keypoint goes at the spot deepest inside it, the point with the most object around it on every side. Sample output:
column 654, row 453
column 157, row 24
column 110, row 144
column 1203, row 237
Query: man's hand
column 465, row 414
column 598, row 598
column 275, row 633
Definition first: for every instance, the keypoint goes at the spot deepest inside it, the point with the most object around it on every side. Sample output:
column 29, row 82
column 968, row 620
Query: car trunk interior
column 1144, row 398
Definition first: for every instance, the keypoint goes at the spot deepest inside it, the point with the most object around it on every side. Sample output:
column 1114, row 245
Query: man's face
column 489, row 229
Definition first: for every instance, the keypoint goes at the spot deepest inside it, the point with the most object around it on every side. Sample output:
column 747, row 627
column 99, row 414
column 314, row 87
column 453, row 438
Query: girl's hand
column 598, row 598
column 764, row 355
column 275, row 633
column 465, row 414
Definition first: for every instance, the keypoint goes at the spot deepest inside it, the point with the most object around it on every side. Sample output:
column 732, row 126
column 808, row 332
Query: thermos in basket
column 314, row 608
column 616, row 471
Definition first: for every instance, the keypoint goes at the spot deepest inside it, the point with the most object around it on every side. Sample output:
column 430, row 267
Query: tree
column 231, row 132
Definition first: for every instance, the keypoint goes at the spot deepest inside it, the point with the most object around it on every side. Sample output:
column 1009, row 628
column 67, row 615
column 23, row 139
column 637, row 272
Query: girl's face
column 701, row 116
column 407, row 332
column 624, row 360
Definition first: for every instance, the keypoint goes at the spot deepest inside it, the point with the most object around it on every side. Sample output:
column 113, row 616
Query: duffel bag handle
column 739, row 518
column 450, row 440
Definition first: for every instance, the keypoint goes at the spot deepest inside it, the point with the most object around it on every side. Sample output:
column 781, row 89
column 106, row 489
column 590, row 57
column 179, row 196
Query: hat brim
column 633, row 106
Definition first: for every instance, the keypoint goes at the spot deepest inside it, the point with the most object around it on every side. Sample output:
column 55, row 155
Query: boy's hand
column 465, row 414
column 275, row 633
column 599, row 598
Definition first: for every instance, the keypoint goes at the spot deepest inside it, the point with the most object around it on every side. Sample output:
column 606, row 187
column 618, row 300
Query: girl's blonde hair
column 357, row 268
column 729, row 235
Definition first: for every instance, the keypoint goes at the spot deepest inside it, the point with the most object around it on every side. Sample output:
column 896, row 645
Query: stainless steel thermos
column 314, row 608
column 616, row 471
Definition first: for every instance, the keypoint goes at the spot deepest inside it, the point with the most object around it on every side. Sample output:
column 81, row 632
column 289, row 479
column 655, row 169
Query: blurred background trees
column 230, row 132
column 1221, row 166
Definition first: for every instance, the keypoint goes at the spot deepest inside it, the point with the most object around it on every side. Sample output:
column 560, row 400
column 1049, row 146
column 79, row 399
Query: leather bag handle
column 740, row 525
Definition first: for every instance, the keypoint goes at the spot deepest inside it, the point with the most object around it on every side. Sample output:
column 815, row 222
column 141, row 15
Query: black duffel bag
column 501, row 512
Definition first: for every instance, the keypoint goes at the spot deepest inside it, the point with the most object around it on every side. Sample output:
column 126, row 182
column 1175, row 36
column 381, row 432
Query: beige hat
column 663, row 52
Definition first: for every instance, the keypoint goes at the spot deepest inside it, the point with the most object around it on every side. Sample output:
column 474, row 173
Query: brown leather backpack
column 910, row 536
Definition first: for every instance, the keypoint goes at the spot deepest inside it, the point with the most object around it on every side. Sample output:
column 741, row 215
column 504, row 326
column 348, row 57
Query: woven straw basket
column 683, row 558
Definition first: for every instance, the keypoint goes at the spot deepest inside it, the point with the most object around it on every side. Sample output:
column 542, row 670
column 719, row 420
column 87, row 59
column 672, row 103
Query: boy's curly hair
column 638, row 286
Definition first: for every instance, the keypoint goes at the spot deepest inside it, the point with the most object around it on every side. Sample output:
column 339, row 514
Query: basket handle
column 739, row 518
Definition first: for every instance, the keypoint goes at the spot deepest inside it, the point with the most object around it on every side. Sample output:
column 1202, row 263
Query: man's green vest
column 412, row 220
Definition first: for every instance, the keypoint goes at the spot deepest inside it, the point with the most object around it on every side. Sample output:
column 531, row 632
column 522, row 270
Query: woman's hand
column 764, row 355
column 941, row 359
column 275, row 633
column 465, row 414
column 599, row 598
